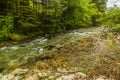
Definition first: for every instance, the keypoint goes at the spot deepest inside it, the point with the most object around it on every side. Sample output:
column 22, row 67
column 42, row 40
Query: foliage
column 100, row 4
column 101, row 9
column 6, row 26
column 78, row 13
column 46, row 17
column 111, row 19
column 112, row 16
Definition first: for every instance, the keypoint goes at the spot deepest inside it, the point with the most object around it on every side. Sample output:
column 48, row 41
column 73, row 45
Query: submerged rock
column 42, row 41
column 39, row 41
column 82, row 33
column 40, row 51
column 3, row 48
column 14, row 48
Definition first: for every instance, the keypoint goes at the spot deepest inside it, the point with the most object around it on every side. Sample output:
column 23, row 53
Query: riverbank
column 80, row 52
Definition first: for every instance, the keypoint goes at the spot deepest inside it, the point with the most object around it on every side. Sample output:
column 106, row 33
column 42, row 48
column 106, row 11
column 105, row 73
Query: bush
column 6, row 26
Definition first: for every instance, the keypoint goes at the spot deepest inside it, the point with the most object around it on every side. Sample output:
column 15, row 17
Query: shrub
column 6, row 26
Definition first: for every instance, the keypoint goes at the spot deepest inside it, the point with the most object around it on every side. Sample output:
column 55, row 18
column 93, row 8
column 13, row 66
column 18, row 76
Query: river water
column 13, row 56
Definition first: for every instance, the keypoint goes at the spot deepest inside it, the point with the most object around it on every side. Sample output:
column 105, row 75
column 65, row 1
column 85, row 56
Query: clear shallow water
column 10, row 55
column 13, row 56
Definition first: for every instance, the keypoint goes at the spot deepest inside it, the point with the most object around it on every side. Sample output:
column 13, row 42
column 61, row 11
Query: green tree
column 101, row 7
column 100, row 4
column 78, row 13
column 112, row 19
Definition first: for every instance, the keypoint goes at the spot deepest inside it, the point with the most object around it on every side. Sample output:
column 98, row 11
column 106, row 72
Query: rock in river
column 3, row 48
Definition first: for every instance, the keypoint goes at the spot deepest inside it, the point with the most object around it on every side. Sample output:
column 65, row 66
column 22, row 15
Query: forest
column 22, row 19
column 59, row 40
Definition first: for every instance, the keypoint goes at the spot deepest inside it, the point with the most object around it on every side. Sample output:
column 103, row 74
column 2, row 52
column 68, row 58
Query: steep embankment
column 63, row 57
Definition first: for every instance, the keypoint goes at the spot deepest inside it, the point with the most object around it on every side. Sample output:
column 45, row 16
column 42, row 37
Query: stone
column 17, row 78
column 40, row 51
column 14, row 47
column 102, row 76
column 33, row 77
column 44, row 40
column 15, row 75
column 100, row 79
column 19, row 71
column 31, row 44
column 10, row 77
column 50, row 77
column 80, row 75
column 3, row 48
column 59, row 70
column 118, row 37
column 76, row 76
column 34, row 49
column 67, row 77
column 3, row 77
column 42, row 74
